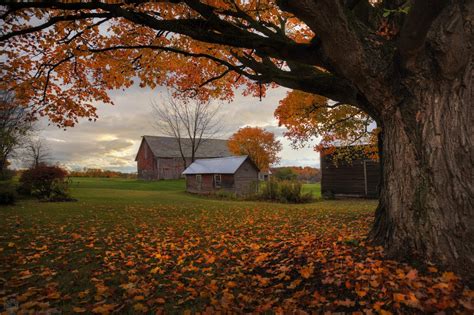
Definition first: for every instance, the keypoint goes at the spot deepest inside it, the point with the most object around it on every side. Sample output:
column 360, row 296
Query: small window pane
column 217, row 180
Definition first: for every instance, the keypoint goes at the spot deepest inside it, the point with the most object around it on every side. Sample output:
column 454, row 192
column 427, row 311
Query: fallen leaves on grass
column 170, row 259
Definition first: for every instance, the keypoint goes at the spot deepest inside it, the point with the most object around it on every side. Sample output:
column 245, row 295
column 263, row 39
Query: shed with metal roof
column 233, row 174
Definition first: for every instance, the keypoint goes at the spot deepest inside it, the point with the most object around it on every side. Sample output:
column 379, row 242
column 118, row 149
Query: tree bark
column 426, row 209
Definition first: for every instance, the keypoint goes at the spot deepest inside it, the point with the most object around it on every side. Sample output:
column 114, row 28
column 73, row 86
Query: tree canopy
column 260, row 145
column 64, row 56
column 306, row 116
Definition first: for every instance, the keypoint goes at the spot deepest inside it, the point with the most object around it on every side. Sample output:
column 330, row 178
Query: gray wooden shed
column 235, row 174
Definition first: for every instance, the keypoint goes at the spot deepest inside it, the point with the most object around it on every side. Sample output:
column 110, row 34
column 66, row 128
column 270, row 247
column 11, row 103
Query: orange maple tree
column 412, row 76
column 307, row 116
column 260, row 145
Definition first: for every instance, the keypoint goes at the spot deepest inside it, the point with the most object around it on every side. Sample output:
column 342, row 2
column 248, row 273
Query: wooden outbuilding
column 358, row 177
column 160, row 157
column 234, row 174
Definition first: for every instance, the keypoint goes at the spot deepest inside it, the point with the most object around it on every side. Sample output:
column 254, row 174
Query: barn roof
column 168, row 147
column 225, row 165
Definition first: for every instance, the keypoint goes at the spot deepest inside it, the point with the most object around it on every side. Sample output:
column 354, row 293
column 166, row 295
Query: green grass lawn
column 129, row 246
column 315, row 189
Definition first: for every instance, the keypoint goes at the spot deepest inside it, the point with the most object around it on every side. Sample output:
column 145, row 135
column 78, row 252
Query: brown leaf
column 78, row 309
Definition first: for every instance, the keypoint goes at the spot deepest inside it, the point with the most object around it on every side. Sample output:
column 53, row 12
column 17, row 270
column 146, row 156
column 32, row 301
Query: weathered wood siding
column 170, row 168
column 243, row 182
column 246, row 179
column 359, row 178
column 146, row 166
column 206, row 187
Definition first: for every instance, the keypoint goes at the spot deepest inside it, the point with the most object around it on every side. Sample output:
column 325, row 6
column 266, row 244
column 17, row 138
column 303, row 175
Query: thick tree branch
column 53, row 21
column 416, row 27
column 210, row 29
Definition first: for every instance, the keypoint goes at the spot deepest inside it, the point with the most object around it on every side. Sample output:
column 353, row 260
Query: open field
column 128, row 246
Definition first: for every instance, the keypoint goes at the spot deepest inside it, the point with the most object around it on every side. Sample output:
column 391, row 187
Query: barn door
column 371, row 178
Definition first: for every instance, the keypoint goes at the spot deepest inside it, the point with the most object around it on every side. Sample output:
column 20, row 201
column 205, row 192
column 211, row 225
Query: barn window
column 217, row 180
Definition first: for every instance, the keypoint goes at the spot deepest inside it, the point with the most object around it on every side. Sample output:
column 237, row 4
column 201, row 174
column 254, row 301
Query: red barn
column 160, row 157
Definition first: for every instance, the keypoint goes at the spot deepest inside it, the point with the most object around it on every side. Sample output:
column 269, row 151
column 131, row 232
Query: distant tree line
column 306, row 174
column 97, row 172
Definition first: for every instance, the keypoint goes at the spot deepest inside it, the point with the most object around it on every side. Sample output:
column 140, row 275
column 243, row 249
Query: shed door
column 199, row 182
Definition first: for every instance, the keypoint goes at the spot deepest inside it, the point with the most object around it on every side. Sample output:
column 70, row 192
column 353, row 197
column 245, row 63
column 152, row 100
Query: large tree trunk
column 426, row 207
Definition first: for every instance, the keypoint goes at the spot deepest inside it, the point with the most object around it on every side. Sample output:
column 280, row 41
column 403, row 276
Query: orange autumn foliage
column 259, row 144
column 307, row 116
column 87, row 53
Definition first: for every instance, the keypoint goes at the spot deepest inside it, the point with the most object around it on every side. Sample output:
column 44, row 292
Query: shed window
column 217, row 180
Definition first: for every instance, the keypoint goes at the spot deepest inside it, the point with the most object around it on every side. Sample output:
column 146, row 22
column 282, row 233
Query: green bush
column 6, row 174
column 48, row 183
column 270, row 190
column 7, row 194
column 289, row 191
column 224, row 194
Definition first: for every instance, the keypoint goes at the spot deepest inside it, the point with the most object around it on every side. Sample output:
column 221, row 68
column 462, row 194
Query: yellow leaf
column 103, row 309
column 54, row 296
column 361, row 293
column 139, row 298
column 449, row 276
column 254, row 246
column 155, row 270
column 211, row 259
column 260, row 258
column 78, row 309
column 11, row 244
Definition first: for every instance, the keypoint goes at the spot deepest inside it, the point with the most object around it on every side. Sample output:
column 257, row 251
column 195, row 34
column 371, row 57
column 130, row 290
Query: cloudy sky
column 112, row 141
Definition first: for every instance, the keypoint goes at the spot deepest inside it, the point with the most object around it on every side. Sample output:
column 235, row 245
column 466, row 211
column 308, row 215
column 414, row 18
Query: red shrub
column 45, row 182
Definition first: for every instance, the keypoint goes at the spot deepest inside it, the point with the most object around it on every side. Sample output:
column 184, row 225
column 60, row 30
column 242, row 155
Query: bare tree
column 189, row 121
column 15, row 126
column 36, row 152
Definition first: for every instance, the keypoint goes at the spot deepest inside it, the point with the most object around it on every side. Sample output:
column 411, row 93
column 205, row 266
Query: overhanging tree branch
column 53, row 21
column 416, row 27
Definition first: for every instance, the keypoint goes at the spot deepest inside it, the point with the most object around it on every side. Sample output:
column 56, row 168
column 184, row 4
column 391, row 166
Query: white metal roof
column 225, row 165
